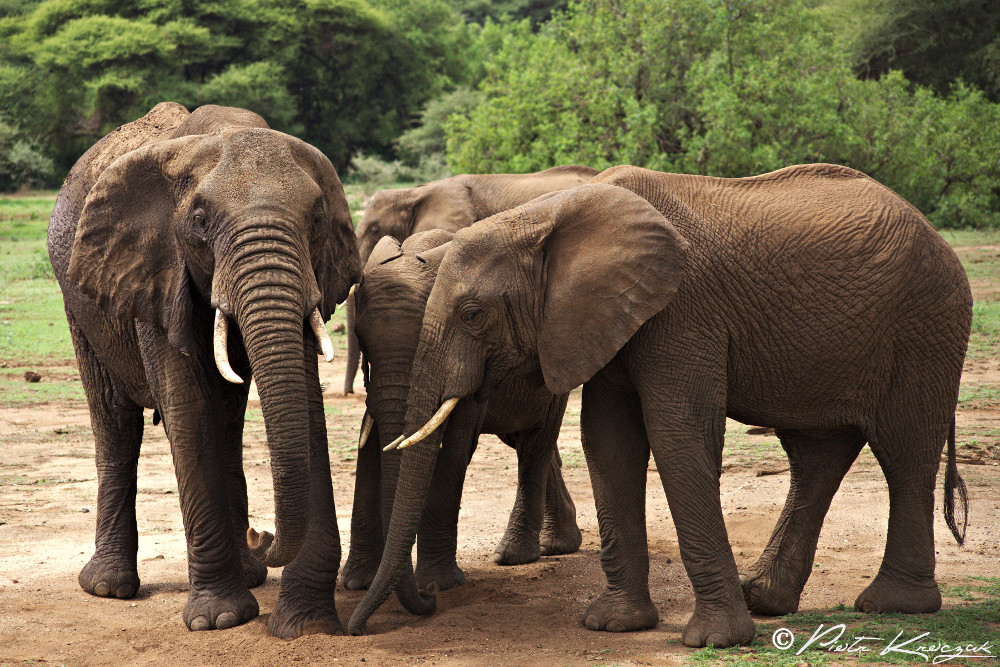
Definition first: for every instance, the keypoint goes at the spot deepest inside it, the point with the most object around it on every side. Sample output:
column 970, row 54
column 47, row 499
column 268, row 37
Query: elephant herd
column 198, row 250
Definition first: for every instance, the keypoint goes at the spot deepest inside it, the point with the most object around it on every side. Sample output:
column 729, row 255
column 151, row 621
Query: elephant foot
column 289, row 620
column 613, row 612
column 254, row 573
column 358, row 572
column 444, row 577
column 767, row 596
column 216, row 610
column 719, row 628
column 107, row 578
column 517, row 550
column 886, row 595
column 560, row 539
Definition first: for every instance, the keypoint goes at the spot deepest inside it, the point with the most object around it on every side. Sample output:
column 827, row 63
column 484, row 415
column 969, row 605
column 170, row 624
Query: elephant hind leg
column 560, row 532
column 818, row 461
column 909, row 455
column 117, row 425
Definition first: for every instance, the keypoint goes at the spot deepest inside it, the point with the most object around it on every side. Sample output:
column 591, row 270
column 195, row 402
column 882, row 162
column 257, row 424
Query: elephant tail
column 952, row 481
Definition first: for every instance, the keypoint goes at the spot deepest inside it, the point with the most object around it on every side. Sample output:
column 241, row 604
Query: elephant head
column 249, row 223
column 552, row 289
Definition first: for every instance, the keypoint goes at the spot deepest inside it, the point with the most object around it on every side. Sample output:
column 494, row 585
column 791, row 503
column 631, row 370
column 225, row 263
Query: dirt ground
column 528, row 614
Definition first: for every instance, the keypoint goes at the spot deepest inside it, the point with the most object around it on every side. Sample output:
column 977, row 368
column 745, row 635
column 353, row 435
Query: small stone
column 85, row 510
column 32, row 376
column 339, row 329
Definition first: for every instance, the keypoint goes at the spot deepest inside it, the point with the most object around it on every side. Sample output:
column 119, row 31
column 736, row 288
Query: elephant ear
column 610, row 261
column 387, row 249
column 445, row 204
column 125, row 254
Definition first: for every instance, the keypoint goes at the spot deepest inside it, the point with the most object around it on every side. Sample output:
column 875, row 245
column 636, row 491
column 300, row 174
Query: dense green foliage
column 907, row 91
column 728, row 88
column 345, row 75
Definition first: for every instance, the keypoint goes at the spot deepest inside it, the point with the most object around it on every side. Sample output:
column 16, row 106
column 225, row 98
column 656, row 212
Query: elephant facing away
column 390, row 308
column 812, row 300
column 449, row 204
column 195, row 251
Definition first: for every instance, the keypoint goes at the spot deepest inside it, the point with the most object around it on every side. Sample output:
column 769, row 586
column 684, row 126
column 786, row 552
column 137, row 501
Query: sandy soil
column 525, row 614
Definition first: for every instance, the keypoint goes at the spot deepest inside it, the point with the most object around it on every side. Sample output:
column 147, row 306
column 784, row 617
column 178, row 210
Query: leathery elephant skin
column 812, row 300
column 449, row 204
column 195, row 251
column 390, row 307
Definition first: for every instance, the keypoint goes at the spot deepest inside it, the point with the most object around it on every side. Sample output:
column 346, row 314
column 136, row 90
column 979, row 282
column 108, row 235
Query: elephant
column 812, row 300
column 195, row 250
column 449, row 204
column 390, row 307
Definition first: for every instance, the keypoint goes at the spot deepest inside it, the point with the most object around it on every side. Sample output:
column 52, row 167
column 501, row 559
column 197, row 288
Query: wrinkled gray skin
column 449, row 204
column 390, row 310
column 157, row 225
column 812, row 300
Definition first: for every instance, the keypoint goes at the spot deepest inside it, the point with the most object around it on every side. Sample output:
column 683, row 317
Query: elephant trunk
column 353, row 349
column 406, row 477
column 269, row 306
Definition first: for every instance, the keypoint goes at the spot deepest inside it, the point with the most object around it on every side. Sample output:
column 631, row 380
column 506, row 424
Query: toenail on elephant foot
column 517, row 551
column 105, row 580
column 720, row 629
column 612, row 613
column 439, row 578
column 208, row 611
column 557, row 541
column 767, row 597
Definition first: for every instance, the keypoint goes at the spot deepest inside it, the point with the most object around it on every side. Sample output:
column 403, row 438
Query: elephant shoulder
column 211, row 118
column 572, row 170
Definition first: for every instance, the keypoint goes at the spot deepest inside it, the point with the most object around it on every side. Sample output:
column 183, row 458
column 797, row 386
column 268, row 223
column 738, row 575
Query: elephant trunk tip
column 263, row 548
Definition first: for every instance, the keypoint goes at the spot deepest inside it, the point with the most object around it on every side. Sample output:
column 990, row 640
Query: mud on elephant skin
column 449, row 204
column 195, row 251
column 812, row 300
column 390, row 307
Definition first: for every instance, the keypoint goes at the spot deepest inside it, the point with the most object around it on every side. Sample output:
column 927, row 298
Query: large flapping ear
column 444, row 204
column 337, row 266
column 610, row 262
column 125, row 255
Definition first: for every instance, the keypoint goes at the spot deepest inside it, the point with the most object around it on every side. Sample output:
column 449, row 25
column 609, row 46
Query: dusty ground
column 524, row 614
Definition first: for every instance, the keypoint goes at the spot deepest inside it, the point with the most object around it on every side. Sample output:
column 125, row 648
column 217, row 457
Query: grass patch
column 984, row 341
column 964, row 238
column 974, row 622
column 16, row 393
column 977, row 396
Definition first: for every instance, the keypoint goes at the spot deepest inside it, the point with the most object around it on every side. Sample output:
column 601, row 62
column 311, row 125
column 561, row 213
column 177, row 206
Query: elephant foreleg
column 234, row 413
column 560, row 532
column 305, row 604
column 818, row 462
column 117, row 425
column 366, row 518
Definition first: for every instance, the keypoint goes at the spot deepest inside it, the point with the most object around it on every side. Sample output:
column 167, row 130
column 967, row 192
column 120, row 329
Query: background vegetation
column 907, row 91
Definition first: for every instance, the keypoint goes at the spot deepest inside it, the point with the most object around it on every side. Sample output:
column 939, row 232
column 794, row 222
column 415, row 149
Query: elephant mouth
column 220, row 344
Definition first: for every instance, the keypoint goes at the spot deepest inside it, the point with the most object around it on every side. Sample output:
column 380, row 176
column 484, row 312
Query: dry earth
column 525, row 614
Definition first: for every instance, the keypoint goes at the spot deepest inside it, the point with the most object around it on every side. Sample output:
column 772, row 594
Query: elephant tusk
column 316, row 322
column 432, row 424
column 221, row 342
column 394, row 443
column 366, row 429
column 350, row 292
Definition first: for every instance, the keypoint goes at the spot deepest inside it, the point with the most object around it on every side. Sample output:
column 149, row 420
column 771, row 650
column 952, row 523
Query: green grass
column 978, row 396
column 15, row 392
column 975, row 621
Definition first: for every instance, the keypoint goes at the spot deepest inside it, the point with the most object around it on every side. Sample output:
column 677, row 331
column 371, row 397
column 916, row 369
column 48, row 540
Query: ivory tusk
column 350, row 292
column 366, row 429
column 392, row 445
column 316, row 322
column 432, row 424
column 221, row 343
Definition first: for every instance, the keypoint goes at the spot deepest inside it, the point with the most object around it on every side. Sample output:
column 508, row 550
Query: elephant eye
column 198, row 217
column 471, row 315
